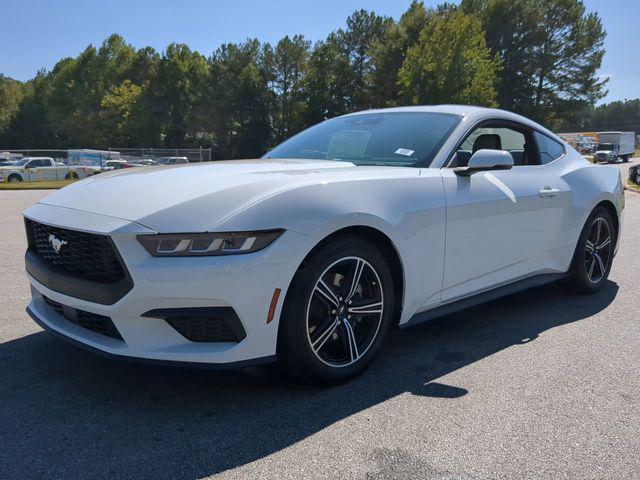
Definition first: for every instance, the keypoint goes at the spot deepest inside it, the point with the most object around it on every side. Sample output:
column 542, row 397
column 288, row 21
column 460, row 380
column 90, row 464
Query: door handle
column 549, row 192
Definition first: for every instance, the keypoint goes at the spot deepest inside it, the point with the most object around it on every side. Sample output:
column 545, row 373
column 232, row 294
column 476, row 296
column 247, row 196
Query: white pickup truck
column 31, row 169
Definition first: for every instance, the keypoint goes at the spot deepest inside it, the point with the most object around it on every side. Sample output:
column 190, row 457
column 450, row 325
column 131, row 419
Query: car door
column 30, row 170
column 499, row 223
column 46, row 170
column 39, row 169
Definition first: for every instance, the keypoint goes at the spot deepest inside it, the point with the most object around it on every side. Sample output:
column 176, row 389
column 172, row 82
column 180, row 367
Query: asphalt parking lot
column 541, row 384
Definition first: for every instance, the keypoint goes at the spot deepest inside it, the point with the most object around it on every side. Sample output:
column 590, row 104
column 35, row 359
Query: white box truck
column 614, row 145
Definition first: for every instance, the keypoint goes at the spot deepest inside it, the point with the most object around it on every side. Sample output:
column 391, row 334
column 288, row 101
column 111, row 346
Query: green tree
column 11, row 94
column 77, row 87
column 450, row 63
column 621, row 115
column 390, row 51
column 144, row 119
column 29, row 127
column 327, row 84
column 550, row 52
column 179, row 92
column 118, row 106
column 240, row 101
column 364, row 30
column 288, row 63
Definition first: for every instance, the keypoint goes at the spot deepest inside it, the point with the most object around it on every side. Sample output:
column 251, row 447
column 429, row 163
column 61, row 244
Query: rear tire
column 594, row 253
column 71, row 175
column 332, row 327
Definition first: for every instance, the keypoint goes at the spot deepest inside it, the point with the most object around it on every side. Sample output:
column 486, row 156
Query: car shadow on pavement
column 67, row 413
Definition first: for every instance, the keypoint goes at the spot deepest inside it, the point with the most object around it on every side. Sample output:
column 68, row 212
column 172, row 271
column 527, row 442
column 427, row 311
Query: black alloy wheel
column 594, row 253
column 337, row 312
column 344, row 313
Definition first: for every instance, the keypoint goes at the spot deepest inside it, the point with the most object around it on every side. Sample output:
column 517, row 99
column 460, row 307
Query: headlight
column 207, row 244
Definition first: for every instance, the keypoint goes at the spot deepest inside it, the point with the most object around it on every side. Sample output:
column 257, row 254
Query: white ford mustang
column 313, row 252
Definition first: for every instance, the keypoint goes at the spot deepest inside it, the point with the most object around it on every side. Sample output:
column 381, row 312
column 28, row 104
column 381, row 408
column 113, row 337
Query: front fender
column 7, row 173
column 410, row 211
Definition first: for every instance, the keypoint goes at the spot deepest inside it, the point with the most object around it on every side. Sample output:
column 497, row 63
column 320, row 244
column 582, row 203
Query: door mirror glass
column 486, row 159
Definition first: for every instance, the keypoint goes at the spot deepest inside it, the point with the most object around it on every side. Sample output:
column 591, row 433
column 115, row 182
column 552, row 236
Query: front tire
column 14, row 178
column 337, row 313
column 594, row 253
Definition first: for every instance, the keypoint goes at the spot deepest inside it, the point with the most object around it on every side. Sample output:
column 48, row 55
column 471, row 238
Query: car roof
column 468, row 112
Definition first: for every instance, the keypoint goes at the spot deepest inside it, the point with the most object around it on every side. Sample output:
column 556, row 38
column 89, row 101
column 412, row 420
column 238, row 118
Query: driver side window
column 496, row 138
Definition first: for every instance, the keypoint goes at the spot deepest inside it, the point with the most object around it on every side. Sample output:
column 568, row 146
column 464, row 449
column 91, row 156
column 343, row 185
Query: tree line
column 535, row 57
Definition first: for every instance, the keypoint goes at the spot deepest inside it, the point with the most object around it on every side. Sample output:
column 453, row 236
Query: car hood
column 197, row 197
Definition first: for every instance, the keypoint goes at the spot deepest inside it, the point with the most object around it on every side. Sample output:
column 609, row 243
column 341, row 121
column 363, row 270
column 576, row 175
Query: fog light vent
column 203, row 324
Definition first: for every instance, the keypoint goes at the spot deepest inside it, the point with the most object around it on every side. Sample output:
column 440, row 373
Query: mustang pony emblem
column 56, row 243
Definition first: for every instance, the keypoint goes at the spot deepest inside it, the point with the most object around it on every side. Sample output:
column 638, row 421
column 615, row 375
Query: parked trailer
column 86, row 162
column 614, row 145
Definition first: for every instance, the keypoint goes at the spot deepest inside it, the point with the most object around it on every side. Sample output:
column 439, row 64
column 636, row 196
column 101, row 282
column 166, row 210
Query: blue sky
column 36, row 34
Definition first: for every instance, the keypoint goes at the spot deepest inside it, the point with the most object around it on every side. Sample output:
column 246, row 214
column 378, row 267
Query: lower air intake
column 91, row 321
column 203, row 324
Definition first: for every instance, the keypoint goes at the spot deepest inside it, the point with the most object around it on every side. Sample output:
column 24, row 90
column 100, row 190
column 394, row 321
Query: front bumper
column 605, row 157
column 245, row 283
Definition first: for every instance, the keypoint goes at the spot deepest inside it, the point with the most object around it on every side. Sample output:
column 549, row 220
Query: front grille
column 84, row 255
column 91, row 321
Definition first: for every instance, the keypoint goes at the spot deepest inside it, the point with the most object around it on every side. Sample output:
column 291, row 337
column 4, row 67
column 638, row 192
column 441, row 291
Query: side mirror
column 486, row 160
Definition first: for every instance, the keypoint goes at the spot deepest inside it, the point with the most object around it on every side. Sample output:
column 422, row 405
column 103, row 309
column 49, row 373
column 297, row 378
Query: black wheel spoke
column 365, row 308
column 598, row 250
column 354, row 280
column 604, row 243
column 323, row 333
column 350, row 340
column 325, row 293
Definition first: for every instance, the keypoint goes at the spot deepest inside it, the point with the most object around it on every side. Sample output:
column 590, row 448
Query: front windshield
column 21, row 163
column 605, row 146
column 393, row 138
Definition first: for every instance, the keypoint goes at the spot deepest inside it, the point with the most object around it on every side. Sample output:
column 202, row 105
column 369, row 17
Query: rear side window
column 550, row 150
column 518, row 143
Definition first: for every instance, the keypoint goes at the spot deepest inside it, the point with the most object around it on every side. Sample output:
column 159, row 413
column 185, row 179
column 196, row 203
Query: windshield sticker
column 404, row 151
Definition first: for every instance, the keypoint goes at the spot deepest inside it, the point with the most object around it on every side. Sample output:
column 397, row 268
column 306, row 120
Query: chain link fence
column 92, row 155
column 35, row 164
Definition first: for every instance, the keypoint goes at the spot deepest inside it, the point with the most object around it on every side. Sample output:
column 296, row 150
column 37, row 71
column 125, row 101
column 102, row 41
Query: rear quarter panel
column 590, row 184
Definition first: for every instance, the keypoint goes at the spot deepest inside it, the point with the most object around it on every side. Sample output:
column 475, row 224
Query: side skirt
column 483, row 297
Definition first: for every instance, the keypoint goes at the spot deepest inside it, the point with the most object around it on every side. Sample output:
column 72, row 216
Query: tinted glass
column 550, row 150
column 395, row 139
column 509, row 139
column 495, row 138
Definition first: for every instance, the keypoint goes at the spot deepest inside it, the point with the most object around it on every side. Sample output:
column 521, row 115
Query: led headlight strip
column 207, row 244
